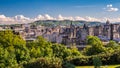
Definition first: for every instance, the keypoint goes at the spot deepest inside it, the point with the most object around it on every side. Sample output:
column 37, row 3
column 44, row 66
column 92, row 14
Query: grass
column 106, row 66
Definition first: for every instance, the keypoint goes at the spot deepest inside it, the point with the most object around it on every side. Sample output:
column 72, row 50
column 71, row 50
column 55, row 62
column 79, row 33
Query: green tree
column 94, row 40
column 97, row 62
column 14, row 46
column 40, row 48
column 60, row 51
column 63, row 52
column 95, row 47
column 7, row 57
column 112, row 44
column 74, row 51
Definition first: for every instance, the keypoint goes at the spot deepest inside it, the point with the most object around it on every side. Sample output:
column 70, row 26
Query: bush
column 80, row 60
column 67, row 65
column 97, row 62
column 106, row 59
column 44, row 63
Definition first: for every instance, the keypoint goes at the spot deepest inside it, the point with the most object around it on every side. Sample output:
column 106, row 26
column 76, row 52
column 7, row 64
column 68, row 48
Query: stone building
column 72, row 35
column 77, row 35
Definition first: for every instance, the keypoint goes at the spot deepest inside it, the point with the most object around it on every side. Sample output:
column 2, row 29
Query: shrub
column 44, row 63
column 67, row 65
column 80, row 60
column 97, row 62
column 106, row 59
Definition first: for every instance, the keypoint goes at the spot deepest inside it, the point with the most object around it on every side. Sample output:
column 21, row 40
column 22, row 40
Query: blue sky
column 32, row 8
column 14, row 11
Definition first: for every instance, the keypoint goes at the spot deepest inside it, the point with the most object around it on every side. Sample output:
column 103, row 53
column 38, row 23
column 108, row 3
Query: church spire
column 85, row 26
column 71, row 23
column 107, row 22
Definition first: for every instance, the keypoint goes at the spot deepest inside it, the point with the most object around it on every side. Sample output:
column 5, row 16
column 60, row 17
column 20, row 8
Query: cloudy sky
column 24, row 11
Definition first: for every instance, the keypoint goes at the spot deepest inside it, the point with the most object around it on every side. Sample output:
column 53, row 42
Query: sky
column 24, row 11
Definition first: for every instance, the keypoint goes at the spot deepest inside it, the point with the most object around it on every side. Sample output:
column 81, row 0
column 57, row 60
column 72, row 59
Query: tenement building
column 77, row 35
column 70, row 35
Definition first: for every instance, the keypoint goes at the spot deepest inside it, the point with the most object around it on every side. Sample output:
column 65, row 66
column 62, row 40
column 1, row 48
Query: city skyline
column 24, row 11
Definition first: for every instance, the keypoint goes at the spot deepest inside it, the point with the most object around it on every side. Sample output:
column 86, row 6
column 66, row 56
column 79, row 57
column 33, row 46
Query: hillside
column 64, row 23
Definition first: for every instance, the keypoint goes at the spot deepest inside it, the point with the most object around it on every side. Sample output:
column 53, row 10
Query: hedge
column 44, row 63
column 106, row 59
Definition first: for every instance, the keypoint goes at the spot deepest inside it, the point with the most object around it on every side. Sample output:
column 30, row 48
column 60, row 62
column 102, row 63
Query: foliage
column 7, row 59
column 97, row 62
column 40, row 48
column 96, row 46
column 67, row 65
column 112, row 44
column 75, row 51
column 7, row 38
column 106, row 59
column 45, row 62
column 15, row 52
column 93, row 41
column 79, row 60
column 60, row 51
column 63, row 52
column 13, row 49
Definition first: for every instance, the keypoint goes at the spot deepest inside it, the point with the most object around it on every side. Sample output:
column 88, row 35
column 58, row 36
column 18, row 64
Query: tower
column 111, row 31
column 107, row 22
column 107, row 30
column 71, row 25
column 84, row 26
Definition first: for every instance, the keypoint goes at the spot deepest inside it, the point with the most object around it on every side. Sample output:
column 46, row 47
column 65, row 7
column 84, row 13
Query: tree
column 74, row 51
column 63, row 52
column 95, row 47
column 40, row 48
column 112, row 44
column 97, row 62
column 60, row 51
column 94, row 40
column 14, row 46
column 7, row 57
column 7, row 38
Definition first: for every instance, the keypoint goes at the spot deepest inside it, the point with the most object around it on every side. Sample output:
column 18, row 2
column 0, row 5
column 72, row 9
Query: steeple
column 71, row 23
column 85, row 26
column 107, row 22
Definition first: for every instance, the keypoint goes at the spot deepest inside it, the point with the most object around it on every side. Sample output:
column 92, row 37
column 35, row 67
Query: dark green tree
column 97, row 62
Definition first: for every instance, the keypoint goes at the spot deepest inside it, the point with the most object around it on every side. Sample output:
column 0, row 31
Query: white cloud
column 110, row 8
column 18, row 19
column 110, row 5
column 88, row 18
column 60, row 17
column 79, row 18
column 39, row 17
column 21, row 19
column 4, row 19
column 113, row 9
column 48, row 17
column 14, row 20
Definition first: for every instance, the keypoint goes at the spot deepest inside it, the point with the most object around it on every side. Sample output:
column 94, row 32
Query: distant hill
column 64, row 23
